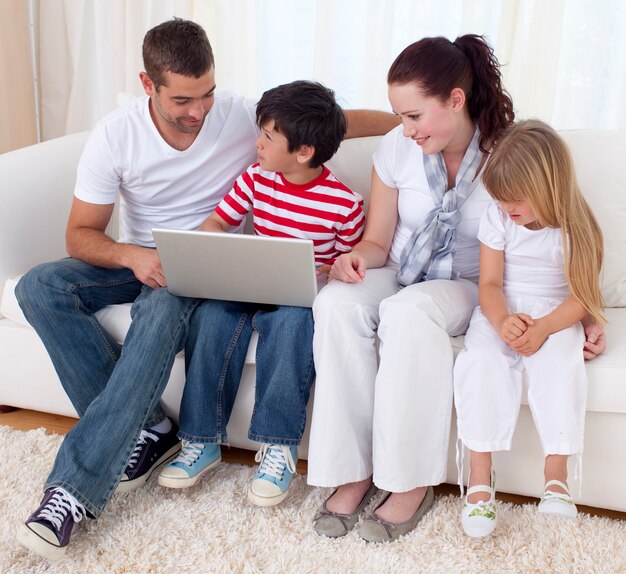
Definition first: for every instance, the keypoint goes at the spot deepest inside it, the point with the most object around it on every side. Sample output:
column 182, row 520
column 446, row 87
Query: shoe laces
column 190, row 452
column 144, row 435
column 57, row 507
column 274, row 459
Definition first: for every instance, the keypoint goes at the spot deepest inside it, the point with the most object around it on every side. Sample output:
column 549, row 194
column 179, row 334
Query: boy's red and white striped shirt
column 323, row 210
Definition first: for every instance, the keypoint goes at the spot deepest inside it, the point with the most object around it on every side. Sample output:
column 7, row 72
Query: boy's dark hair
column 177, row 46
column 306, row 113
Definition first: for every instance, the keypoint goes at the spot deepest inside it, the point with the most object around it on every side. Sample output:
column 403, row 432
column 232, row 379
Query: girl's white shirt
column 533, row 259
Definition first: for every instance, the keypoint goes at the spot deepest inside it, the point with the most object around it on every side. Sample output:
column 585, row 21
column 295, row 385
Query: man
column 172, row 155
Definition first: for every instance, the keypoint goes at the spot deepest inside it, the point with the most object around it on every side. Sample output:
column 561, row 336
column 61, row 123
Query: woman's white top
column 399, row 163
column 533, row 259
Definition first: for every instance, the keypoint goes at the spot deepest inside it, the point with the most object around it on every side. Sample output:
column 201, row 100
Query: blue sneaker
column 278, row 465
column 47, row 531
column 194, row 460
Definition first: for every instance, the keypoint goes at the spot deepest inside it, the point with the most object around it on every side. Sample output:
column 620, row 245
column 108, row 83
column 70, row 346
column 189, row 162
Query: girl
column 540, row 258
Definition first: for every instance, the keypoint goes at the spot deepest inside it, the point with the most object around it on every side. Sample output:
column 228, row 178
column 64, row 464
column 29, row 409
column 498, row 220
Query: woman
column 383, row 358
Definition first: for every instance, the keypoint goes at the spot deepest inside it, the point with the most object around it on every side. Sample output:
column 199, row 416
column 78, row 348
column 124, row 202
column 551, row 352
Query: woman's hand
column 349, row 267
column 595, row 342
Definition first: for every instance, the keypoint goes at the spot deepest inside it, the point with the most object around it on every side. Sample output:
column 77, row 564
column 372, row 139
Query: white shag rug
column 212, row 528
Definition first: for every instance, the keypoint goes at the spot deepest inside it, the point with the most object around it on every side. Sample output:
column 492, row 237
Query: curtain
column 90, row 55
column 563, row 60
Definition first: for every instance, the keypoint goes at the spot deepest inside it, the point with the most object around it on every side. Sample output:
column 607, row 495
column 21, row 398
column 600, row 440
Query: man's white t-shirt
column 534, row 264
column 160, row 186
column 399, row 163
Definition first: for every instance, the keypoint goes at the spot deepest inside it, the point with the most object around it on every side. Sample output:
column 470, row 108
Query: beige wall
column 17, row 107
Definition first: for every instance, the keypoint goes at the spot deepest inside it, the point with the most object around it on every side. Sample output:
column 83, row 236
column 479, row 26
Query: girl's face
column 521, row 213
column 432, row 124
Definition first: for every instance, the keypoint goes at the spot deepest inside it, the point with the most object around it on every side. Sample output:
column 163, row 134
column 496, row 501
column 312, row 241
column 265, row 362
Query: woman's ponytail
column 489, row 104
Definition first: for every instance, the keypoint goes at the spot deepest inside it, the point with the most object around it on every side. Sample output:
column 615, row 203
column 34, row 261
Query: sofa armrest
column 36, row 195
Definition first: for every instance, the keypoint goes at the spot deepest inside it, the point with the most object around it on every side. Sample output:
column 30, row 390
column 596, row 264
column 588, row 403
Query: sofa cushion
column 607, row 373
column 114, row 318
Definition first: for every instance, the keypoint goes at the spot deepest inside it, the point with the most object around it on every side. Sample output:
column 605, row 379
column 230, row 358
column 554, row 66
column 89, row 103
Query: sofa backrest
column 352, row 164
column 599, row 159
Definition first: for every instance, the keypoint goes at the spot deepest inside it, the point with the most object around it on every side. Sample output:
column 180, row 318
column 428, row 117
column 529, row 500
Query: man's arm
column 362, row 123
column 86, row 239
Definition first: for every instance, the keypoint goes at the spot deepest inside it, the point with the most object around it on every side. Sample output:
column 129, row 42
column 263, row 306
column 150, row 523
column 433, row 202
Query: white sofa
column 37, row 185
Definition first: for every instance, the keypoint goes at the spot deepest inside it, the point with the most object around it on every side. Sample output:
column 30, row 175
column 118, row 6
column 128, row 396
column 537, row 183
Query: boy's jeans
column 115, row 392
column 215, row 354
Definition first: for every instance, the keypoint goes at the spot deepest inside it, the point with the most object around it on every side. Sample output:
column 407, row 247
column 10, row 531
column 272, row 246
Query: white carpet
column 212, row 528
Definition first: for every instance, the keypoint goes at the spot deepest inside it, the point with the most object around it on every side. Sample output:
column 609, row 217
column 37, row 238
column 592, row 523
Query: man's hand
column 595, row 342
column 532, row 339
column 514, row 326
column 146, row 265
column 349, row 267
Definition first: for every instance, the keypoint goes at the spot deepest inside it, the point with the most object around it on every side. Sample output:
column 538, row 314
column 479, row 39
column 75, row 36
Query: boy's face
column 273, row 150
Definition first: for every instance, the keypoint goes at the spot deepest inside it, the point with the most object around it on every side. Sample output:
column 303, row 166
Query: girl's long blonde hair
column 532, row 162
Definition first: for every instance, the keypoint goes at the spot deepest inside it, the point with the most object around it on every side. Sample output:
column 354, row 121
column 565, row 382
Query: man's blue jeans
column 215, row 353
column 115, row 390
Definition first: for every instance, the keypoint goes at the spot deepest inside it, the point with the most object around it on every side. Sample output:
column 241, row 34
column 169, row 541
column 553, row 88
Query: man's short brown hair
column 177, row 46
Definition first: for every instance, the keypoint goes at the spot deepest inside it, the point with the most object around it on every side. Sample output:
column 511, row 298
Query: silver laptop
column 236, row 267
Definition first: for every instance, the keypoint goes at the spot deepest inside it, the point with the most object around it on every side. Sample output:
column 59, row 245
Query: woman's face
column 429, row 122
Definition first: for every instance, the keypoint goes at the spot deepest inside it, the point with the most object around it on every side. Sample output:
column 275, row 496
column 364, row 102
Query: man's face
column 182, row 102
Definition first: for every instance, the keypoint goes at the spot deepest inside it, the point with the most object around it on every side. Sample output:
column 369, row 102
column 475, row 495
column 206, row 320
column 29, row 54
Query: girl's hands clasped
column 532, row 339
column 513, row 326
column 523, row 334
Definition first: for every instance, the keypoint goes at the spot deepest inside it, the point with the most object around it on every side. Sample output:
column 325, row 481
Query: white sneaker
column 557, row 503
column 480, row 518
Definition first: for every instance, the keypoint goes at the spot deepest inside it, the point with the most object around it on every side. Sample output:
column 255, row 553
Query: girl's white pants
column 389, row 418
column 488, row 387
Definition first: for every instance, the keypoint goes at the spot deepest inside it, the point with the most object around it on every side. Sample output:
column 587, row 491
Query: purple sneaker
column 152, row 451
column 47, row 531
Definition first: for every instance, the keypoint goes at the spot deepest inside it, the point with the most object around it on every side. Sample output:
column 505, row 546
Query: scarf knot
column 429, row 252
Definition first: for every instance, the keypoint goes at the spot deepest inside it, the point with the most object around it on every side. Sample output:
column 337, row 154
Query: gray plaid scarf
column 429, row 251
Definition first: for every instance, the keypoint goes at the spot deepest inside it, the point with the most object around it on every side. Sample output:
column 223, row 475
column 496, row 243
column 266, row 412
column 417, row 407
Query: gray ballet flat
column 375, row 529
column 333, row 524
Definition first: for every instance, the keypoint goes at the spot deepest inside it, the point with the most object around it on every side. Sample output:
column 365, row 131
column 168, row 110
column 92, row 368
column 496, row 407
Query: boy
column 292, row 194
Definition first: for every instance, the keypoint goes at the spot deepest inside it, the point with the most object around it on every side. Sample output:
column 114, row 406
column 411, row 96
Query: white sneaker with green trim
column 557, row 503
column 479, row 519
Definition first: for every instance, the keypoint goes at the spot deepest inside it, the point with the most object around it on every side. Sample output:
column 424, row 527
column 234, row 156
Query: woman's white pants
column 488, row 387
column 389, row 418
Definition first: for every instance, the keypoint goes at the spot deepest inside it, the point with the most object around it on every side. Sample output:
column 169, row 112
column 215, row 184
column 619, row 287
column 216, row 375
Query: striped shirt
column 323, row 210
